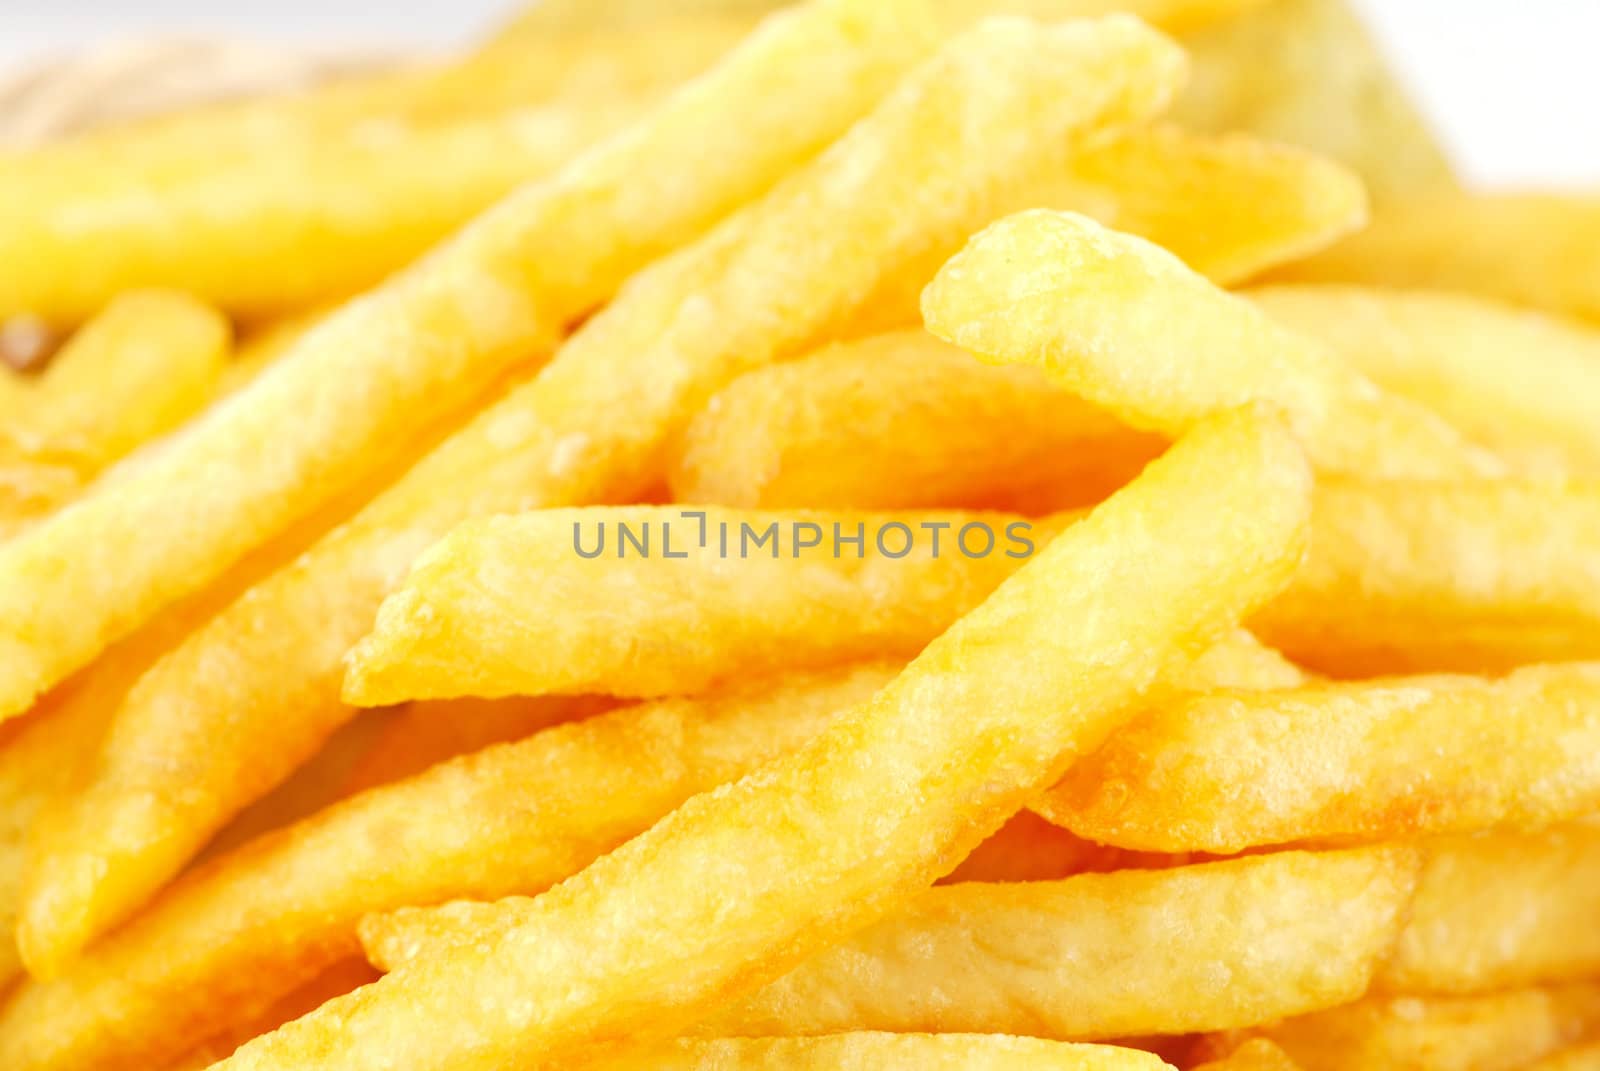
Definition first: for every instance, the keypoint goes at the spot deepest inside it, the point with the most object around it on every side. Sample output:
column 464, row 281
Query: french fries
column 1532, row 249
column 1498, row 911
column 1306, row 72
column 1495, row 1032
column 1227, row 771
column 1126, row 326
column 1577, row 1058
column 239, row 934
column 1524, row 384
column 881, row 1052
column 592, row 426
column 827, row 840
column 1088, row 957
column 431, row 339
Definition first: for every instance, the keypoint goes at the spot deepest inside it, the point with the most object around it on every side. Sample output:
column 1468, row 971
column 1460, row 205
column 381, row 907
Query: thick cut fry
column 1257, row 1054
column 1340, row 762
column 1526, row 385
column 902, row 421
column 878, row 1052
column 528, row 605
column 1230, row 208
column 426, row 342
column 1500, row 911
column 1497, row 1032
column 1088, row 957
column 1307, row 72
column 1539, row 250
column 1420, row 576
column 234, row 936
column 839, row 834
column 1125, row 325
column 596, row 424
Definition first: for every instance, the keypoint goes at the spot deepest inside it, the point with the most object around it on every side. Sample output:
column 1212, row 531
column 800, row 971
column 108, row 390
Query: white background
column 1513, row 85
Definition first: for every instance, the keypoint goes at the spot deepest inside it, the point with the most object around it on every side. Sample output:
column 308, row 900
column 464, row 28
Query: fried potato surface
column 1307, row 72
column 594, row 426
column 1424, row 576
column 1257, row 1054
column 528, row 604
column 1088, row 957
column 1523, row 383
column 1502, row 910
column 239, row 933
column 899, row 421
column 879, row 1052
column 1577, row 1058
column 1496, row 1032
column 1372, row 760
column 1127, row 326
column 1541, row 250
column 840, row 833
column 428, row 341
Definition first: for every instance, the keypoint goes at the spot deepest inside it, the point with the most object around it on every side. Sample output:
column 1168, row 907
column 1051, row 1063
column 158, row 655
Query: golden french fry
column 428, row 341
column 879, row 1052
column 899, row 421
column 1524, row 384
column 1503, row 910
column 1417, row 576
column 1234, row 770
column 710, row 595
column 1577, row 1058
column 1228, row 207
column 236, row 935
column 1257, row 1054
column 1536, row 249
column 1125, row 325
column 1088, row 957
column 1307, row 72
column 595, row 425
column 838, row 834
column 1496, row 1032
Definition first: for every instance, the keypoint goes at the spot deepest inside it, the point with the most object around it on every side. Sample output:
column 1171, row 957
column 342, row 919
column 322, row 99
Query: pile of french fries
column 851, row 535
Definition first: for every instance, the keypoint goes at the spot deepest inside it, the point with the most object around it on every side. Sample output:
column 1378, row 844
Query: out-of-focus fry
column 1418, row 576
column 904, row 420
column 879, row 1052
column 1339, row 762
column 1088, row 957
column 1125, row 325
column 1497, row 1032
column 1526, row 385
column 1307, row 72
column 596, row 424
column 1577, row 1058
column 1498, row 911
column 1537, row 249
column 234, row 936
column 840, row 833
column 715, row 594
column 1257, row 1054
column 428, row 341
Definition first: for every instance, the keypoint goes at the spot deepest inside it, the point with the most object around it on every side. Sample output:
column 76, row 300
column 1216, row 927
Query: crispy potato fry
column 1307, row 72
column 528, row 604
column 900, row 421
column 879, row 1052
column 1524, row 384
column 427, row 342
column 1496, row 1032
column 1125, row 325
column 1343, row 762
column 595, row 425
column 1228, row 207
column 1257, row 1054
column 232, row 937
column 1539, row 250
column 1502, row 910
column 840, row 833
column 1088, row 957
column 1577, row 1058
column 1407, row 576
